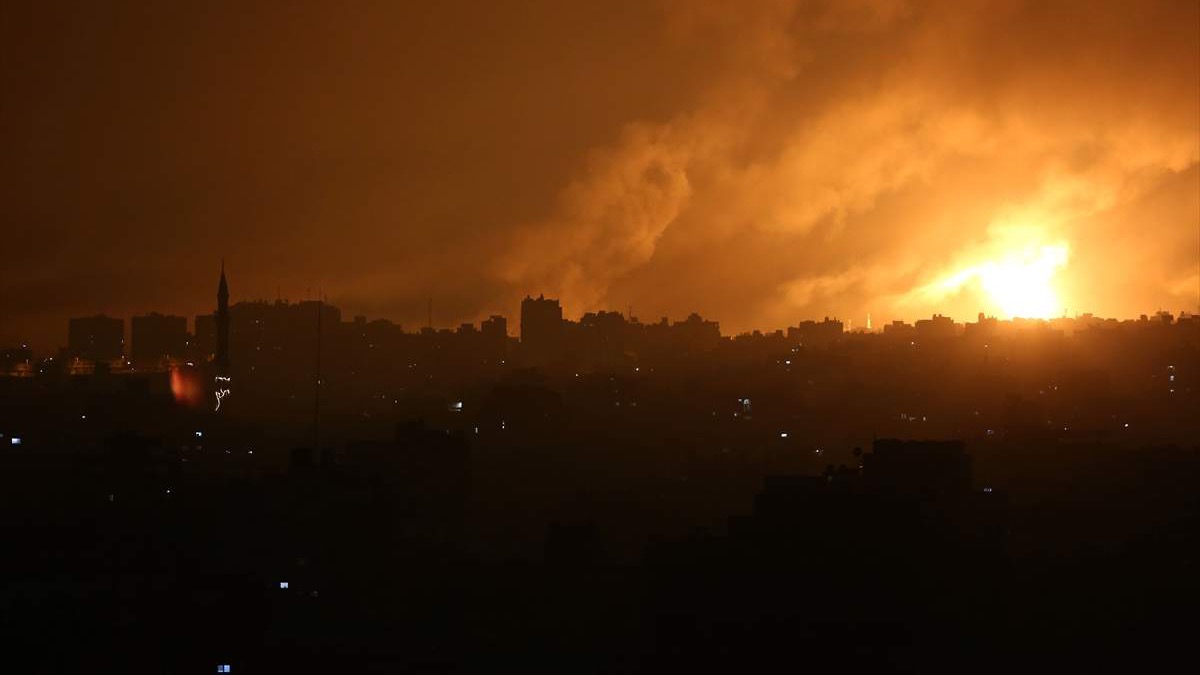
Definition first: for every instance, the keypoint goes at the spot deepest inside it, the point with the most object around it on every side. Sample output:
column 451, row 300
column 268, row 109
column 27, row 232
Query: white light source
column 283, row 584
column 199, row 434
column 783, row 434
column 15, row 440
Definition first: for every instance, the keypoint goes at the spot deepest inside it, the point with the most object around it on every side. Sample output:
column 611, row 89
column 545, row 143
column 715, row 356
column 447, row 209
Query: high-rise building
column 204, row 336
column 495, row 335
column 97, row 338
column 156, row 336
column 541, row 326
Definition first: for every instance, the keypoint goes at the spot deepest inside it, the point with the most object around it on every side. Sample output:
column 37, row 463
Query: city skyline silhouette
column 621, row 337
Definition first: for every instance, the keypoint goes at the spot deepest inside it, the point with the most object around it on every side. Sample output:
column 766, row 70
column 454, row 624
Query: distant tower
column 222, row 316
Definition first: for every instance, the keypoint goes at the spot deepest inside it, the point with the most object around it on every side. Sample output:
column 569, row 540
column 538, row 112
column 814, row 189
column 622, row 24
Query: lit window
column 15, row 440
column 987, row 489
column 223, row 668
column 283, row 584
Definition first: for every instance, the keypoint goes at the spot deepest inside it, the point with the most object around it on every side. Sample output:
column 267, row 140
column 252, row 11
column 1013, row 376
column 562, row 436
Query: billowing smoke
column 843, row 158
column 759, row 162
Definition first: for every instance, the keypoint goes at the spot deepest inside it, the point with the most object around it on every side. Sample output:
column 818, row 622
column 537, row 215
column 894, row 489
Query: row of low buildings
column 259, row 332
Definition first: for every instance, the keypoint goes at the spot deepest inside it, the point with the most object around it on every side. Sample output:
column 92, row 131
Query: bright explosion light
column 1020, row 284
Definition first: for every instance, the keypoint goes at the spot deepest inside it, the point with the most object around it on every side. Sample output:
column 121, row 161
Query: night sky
column 759, row 162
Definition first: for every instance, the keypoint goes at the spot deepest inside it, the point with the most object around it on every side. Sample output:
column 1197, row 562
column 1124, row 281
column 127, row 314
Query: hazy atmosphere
column 757, row 163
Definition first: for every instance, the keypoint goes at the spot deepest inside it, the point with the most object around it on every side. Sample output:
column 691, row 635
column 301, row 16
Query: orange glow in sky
column 1018, row 284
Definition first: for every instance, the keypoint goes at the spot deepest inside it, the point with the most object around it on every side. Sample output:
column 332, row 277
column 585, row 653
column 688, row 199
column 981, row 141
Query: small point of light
column 783, row 434
column 15, row 440
column 1127, row 425
column 199, row 434
column 987, row 489
column 283, row 584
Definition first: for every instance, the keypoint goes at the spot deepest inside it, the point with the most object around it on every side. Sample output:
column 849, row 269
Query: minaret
column 222, row 316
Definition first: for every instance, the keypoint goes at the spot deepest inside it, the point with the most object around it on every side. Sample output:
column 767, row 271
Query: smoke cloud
column 758, row 162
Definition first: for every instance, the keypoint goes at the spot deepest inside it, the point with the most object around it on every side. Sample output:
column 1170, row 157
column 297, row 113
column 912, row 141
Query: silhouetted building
column 97, row 338
column 156, row 336
column 542, row 327
column 695, row 334
column 495, row 334
column 937, row 327
column 204, row 338
column 816, row 333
